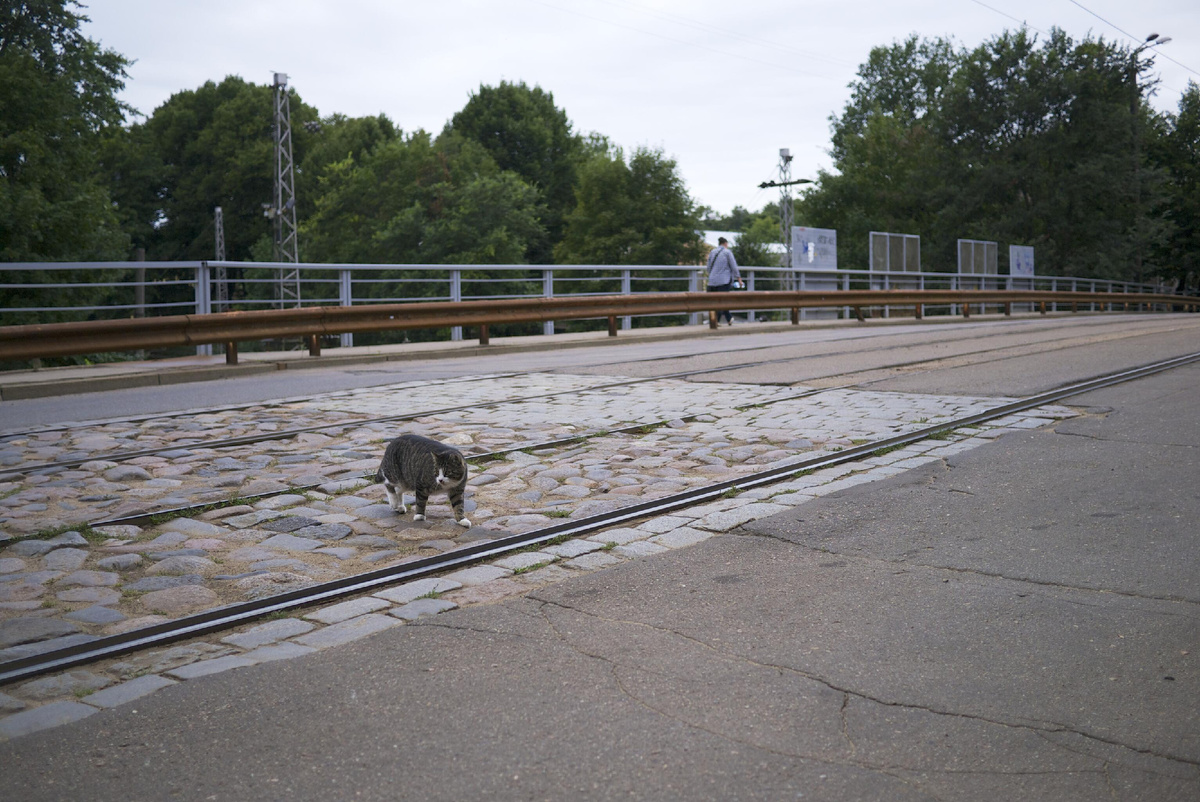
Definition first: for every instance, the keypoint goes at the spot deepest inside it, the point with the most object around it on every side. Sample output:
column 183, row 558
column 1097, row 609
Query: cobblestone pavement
column 64, row 587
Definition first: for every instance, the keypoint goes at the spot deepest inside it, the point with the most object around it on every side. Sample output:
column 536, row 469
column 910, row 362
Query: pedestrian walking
column 723, row 273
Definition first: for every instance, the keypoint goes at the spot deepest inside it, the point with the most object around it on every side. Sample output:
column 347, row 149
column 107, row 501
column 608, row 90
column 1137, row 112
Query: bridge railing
column 23, row 342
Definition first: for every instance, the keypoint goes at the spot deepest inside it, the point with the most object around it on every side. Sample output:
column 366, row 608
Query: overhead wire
column 730, row 54
column 1116, row 27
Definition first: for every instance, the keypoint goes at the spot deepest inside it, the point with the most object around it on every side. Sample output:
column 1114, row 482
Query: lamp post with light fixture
column 785, row 205
column 1153, row 40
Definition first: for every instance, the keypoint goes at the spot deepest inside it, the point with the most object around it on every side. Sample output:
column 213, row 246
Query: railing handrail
column 131, row 334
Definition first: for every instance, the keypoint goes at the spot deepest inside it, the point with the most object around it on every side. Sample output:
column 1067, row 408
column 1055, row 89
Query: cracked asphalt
column 1018, row 621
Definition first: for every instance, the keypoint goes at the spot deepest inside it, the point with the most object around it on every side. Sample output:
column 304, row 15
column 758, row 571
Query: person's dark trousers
column 722, row 288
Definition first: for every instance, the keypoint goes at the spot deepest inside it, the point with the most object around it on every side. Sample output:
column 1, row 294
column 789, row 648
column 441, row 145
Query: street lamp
column 1153, row 40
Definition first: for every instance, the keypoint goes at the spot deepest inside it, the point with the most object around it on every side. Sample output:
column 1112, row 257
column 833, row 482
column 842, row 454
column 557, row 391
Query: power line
column 664, row 37
column 1127, row 34
column 1102, row 19
column 1131, row 36
column 721, row 31
column 1021, row 22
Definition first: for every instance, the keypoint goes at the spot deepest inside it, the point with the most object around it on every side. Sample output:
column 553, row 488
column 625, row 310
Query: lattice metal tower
column 785, row 206
column 221, row 302
column 283, row 210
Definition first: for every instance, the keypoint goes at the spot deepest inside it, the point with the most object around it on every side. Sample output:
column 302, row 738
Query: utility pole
column 1135, row 110
column 282, row 212
column 785, row 207
column 221, row 278
column 785, row 204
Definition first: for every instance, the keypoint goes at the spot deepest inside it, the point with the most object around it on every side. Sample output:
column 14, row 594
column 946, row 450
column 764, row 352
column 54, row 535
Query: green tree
column 411, row 200
column 1177, row 151
column 334, row 139
column 740, row 219
column 203, row 148
column 57, row 99
column 1015, row 141
column 754, row 242
column 526, row 133
column 630, row 213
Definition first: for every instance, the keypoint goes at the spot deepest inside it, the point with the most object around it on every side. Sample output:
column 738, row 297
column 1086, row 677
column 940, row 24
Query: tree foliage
column 526, row 133
column 204, row 148
column 1019, row 141
column 57, row 100
column 1178, row 151
column 630, row 213
column 412, row 200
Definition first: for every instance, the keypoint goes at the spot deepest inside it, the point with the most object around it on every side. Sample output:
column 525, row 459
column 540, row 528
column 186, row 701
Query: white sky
column 720, row 87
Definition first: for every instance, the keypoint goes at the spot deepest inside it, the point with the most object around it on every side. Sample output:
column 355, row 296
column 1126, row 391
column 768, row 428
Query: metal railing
column 311, row 323
column 52, row 292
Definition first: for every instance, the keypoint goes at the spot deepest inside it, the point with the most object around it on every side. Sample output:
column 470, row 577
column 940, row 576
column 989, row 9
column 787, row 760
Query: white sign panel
column 814, row 248
column 1020, row 261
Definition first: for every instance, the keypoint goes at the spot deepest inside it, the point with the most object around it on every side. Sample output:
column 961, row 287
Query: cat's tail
column 379, row 475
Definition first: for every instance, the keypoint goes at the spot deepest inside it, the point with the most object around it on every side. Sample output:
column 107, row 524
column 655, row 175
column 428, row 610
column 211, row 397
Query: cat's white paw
column 418, row 517
column 401, row 509
column 465, row 522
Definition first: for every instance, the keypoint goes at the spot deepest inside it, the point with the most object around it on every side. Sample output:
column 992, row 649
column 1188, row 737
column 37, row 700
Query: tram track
column 283, row 402
column 236, row 614
column 963, row 357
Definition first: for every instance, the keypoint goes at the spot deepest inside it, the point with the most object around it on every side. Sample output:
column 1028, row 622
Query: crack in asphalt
column 1047, row 727
column 742, row 532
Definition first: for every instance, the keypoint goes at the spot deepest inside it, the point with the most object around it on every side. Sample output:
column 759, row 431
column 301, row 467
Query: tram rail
column 236, row 614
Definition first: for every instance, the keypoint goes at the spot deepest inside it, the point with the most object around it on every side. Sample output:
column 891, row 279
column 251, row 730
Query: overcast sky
column 718, row 86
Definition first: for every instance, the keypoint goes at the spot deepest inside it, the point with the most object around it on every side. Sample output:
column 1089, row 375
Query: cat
column 424, row 466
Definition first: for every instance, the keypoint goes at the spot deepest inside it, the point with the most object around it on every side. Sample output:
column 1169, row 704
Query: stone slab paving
column 61, row 588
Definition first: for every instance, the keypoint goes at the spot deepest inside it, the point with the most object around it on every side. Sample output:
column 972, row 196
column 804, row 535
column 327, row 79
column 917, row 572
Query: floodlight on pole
column 282, row 211
column 1153, row 40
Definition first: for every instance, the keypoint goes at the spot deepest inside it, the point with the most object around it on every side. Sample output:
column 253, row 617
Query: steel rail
column 276, row 402
column 250, row 439
column 177, row 512
column 281, row 435
column 235, row 614
column 102, row 336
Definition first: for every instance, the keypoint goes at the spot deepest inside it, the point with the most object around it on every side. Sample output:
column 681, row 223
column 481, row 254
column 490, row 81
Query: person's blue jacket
column 722, row 267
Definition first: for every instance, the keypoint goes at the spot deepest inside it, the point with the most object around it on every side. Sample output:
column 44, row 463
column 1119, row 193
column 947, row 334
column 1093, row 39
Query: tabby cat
column 424, row 466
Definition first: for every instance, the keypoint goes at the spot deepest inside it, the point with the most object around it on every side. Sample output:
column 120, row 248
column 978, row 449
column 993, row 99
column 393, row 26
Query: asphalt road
column 1017, row 622
column 883, row 354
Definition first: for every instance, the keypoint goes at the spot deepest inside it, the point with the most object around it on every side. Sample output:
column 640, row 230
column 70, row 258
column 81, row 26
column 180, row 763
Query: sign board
column 977, row 258
column 1020, row 261
column 814, row 248
column 894, row 253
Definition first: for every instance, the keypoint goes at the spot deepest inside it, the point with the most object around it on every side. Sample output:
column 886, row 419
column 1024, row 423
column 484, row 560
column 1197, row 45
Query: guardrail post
column 626, row 289
column 750, row 288
column 694, row 286
column 485, row 337
column 548, row 292
column 612, row 326
column 203, row 301
column 846, row 309
column 456, row 332
column 345, row 298
column 231, row 355
column 802, row 313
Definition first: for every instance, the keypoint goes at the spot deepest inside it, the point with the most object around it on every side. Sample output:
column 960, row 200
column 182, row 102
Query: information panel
column 814, row 248
column 1020, row 261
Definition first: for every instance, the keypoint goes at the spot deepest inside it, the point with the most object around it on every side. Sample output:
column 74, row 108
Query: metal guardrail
column 311, row 323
